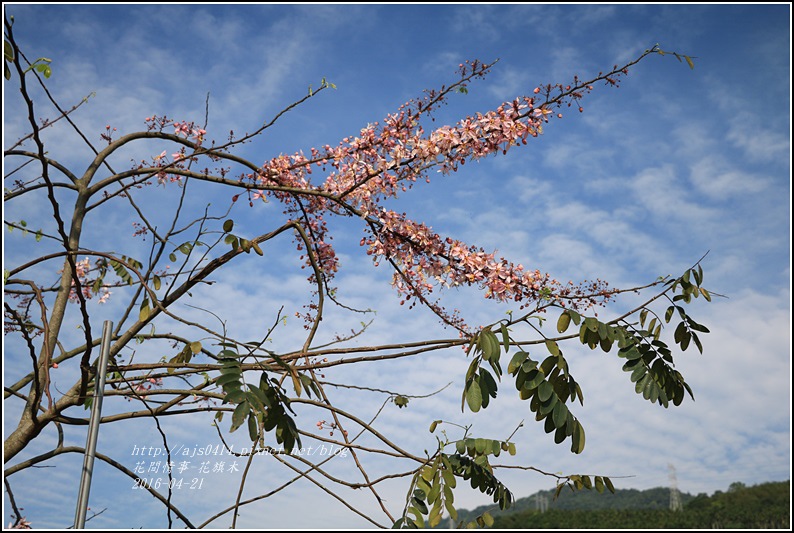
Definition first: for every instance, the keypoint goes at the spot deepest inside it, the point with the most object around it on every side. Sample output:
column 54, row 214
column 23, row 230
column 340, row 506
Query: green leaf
column 487, row 518
column 487, row 383
column 505, row 337
column 448, row 503
column 553, row 347
column 296, row 383
column 610, row 486
column 528, row 366
column 435, row 517
column 689, row 390
column 563, row 322
column 517, row 360
column 228, row 225
column 599, row 484
column 547, row 406
column 697, row 342
column 449, row 481
column 545, row 390
column 579, row 394
column 534, row 379
column 260, row 396
column 606, row 345
column 577, row 446
column 143, row 315
column 253, row 428
column 231, row 369
column 548, row 364
column 603, row 331
column 689, row 62
column 239, row 415
column 480, row 445
column 435, row 492
column 225, row 379
column 172, row 257
column 559, row 434
column 234, row 396
column 474, row 396
column 640, row 385
column 419, row 521
column 489, row 345
column 560, row 415
column 254, row 400
column 460, row 446
column 420, row 505
column 632, row 353
column 685, row 341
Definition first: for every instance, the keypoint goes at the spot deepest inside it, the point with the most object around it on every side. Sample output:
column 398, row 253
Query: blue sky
column 674, row 163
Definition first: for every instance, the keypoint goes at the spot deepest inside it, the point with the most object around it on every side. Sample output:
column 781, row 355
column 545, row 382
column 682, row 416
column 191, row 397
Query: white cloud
column 719, row 181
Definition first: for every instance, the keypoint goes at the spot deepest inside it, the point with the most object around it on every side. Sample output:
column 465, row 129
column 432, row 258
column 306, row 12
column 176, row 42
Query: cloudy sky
column 651, row 176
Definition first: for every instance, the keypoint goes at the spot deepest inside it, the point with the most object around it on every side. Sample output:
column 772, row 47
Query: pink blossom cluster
column 188, row 130
column 20, row 523
column 143, row 387
column 322, row 424
column 426, row 259
column 387, row 158
column 83, row 269
column 284, row 176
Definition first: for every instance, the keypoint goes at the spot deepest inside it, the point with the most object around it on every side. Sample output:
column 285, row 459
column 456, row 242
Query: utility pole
column 93, row 427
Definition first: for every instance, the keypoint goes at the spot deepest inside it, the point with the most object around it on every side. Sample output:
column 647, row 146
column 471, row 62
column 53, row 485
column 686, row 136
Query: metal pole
column 93, row 428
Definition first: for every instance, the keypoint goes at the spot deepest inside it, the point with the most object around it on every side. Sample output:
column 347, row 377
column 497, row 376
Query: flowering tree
column 206, row 371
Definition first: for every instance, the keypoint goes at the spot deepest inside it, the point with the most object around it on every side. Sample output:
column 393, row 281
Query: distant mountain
column 766, row 506
column 589, row 500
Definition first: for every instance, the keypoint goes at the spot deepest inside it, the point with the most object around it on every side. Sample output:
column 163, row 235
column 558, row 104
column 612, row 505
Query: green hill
column 590, row 500
column 761, row 506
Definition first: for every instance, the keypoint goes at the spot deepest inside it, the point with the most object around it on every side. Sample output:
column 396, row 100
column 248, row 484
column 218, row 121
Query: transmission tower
column 675, row 496
column 541, row 502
